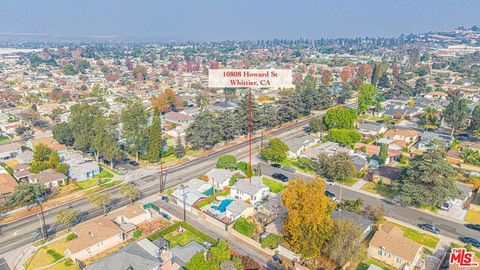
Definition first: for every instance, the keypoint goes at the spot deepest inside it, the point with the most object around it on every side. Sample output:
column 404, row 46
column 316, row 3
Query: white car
column 446, row 206
column 330, row 182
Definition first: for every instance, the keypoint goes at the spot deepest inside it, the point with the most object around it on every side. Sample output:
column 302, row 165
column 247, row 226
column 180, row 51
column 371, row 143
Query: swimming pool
column 223, row 205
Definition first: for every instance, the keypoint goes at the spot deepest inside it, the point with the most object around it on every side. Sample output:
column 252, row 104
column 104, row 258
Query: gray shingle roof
column 362, row 222
column 251, row 189
column 182, row 255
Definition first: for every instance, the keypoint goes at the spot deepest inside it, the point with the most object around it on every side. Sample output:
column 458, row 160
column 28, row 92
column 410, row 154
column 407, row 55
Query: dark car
column 331, row 195
column 280, row 177
column 276, row 165
column 288, row 169
column 470, row 240
column 429, row 228
column 473, row 226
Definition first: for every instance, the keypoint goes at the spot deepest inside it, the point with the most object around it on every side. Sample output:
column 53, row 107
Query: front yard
column 245, row 227
column 47, row 255
column 382, row 190
column 274, row 185
column 350, row 181
column 294, row 163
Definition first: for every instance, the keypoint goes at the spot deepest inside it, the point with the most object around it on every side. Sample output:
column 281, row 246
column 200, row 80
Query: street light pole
column 42, row 218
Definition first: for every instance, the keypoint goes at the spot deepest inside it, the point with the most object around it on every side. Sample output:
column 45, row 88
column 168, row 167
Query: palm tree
column 429, row 119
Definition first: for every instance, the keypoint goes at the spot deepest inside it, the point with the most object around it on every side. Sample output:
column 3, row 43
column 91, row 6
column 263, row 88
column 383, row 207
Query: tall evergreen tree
column 179, row 148
column 155, row 141
column 456, row 113
column 134, row 128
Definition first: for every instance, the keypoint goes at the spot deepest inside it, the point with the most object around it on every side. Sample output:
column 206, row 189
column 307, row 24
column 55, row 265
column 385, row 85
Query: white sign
column 253, row 78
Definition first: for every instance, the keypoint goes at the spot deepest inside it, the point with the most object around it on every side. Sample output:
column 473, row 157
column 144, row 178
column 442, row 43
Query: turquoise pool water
column 208, row 192
column 223, row 205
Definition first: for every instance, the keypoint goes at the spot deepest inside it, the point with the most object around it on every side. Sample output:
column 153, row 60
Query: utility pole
column 183, row 187
column 250, row 134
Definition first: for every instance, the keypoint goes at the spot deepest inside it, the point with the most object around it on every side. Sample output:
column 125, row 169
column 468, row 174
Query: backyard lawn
column 382, row 190
column 365, row 264
column 181, row 238
column 274, row 185
column 419, row 237
column 245, row 227
column 47, row 255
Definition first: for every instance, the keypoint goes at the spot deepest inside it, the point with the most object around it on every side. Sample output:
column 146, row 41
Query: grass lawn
column 64, row 265
column 89, row 183
column 183, row 238
column 47, row 255
column 4, row 139
column 244, row 227
column 349, row 181
column 297, row 166
column 419, row 237
column 365, row 264
column 473, row 217
column 104, row 174
column 274, row 186
column 379, row 189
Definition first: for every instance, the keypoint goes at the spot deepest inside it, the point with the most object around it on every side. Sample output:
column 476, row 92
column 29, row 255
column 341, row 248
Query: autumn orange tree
column 308, row 224
column 166, row 100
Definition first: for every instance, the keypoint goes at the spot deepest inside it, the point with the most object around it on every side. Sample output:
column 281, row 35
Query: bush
column 227, row 162
column 271, row 241
column 71, row 236
column 137, row 233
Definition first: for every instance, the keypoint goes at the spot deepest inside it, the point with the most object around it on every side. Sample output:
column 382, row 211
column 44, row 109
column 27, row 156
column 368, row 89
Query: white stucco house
column 254, row 191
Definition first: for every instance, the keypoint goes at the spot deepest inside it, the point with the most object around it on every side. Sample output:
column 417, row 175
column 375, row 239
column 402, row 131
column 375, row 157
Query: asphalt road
column 408, row 215
column 25, row 231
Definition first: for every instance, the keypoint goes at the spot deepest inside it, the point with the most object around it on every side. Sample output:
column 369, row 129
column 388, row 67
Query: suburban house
column 374, row 150
column 49, row 178
column 80, row 167
column 49, row 141
column 192, row 191
column 369, row 128
column 104, row 232
column 254, row 191
column 7, row 186
column 178, row 118
column 93, row 237
column 237, row 209
column 409, row 136
column 363, row 223
column 142, row 254
column 299, row 145
column 183, row 254
column 389, row 246
column 25, row 157
column 428, row 137
column 220, row 178
column 328, row 148
column 385, row 175
column 21, row 172
column 10, row 150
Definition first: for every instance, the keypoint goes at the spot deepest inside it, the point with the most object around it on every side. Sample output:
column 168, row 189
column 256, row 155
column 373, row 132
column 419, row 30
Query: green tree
column 366, row 97
column 421, row 86
column 429, row 118
column 62, row 168
column 228, row 125
column 383, row 155
column 134, row 128
column 132, row 192
column 345, row 243
column 63, row 134
column 428, row 180
column 316, row 125
column 340, row 117
column 344, row 136
column 227, row 162
column 155, row 141
column 245, row 168
column 337, row 167
column 475, row 119
column 308, row 224
column 276, row 150
column 100, row 200
column 26, row 194
column 456, row 113
column 179, row 148
column 67, row 216
column 82, row 116
column 41, row 152
column 384, row 82
column 198, row 262
column 204, row 132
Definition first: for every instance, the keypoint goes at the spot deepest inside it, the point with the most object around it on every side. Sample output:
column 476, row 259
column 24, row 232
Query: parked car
column 276, row 165
column 289, row 169
column 429, row 228
column 473, row 226
column 446, row 206
column 280, row 176
column 330, row 182
column 331, row 195
column 470, row 240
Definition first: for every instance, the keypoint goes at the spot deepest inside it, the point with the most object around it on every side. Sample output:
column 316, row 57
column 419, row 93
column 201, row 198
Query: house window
column 380, row 252
column 398, row 260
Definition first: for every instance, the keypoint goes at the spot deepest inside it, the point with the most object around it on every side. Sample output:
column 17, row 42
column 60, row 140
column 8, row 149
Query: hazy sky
column 201, row 20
